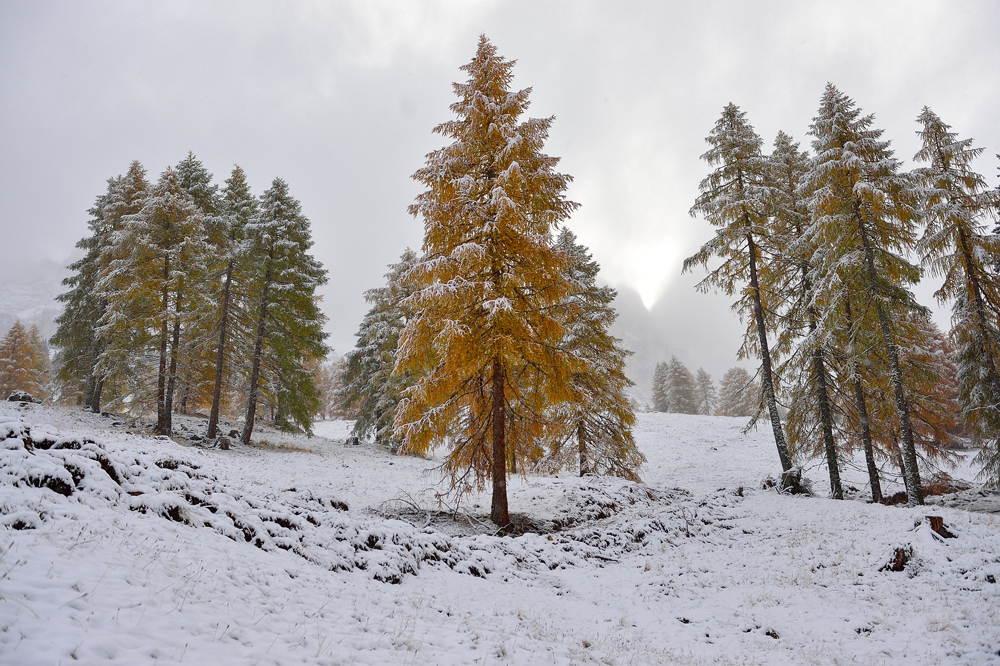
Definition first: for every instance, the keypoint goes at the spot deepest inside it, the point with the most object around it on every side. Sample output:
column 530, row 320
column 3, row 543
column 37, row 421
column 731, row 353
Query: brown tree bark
column 213, row 418
column 498, row 510
column 258, row 348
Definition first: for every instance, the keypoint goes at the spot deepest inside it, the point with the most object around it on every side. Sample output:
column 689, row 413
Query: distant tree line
column 818, row 250
column 191, row 297
column 676, row 389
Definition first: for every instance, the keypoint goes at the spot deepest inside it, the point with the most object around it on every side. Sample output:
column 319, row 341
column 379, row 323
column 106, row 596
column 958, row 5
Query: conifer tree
column 22, row 367
column 196, row 180
column 599, row 417
column 369, row 383
column 956, row 247
column 197, row 360
column 288, row 326
column 661, row 387
column 485, row 339
column 739, row 394
column 808, row 358
column 681, row 388
column 76, row 339
column 734, row 199
column 151, row 279
column 863, row 226
column 236, row 210
column 705, row 395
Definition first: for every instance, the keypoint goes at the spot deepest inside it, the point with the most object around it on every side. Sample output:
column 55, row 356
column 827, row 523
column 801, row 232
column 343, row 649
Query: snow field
column 682, row 569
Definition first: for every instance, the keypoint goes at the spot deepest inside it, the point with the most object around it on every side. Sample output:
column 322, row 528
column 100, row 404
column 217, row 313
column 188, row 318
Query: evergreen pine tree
column 705, row 395
column 486, row 338
column 739, row 394
column 599, row 417
column 681, row 388
column 956, row 247
column 734, row 199
column 369, row 384
column 288, row 326
column 661, row 387
column 863, row 224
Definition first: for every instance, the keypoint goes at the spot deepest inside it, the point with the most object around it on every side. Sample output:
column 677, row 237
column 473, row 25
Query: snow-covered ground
column 122, row 548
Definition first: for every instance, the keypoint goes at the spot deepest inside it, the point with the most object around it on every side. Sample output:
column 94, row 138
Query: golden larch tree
column 485, row 340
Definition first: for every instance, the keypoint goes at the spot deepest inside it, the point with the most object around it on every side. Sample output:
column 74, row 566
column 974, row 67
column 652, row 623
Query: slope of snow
column 123, row 548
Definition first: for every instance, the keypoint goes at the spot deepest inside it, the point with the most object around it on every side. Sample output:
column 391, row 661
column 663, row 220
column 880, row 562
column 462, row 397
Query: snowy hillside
column 122, row 548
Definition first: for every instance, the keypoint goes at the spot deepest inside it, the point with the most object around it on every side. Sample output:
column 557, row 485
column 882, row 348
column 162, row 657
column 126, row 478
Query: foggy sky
column 339, row 99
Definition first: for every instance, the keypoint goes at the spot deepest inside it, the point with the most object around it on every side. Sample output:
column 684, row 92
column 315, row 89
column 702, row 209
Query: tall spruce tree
column 661, row 387
column 485, row 339
column 288, row 325
column 863, row 226
column 369, row 384
column 957, row 247
column 734, row 199
column 599, row 417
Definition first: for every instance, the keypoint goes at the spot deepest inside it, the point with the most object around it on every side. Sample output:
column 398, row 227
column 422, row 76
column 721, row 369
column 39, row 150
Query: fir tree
column 485, row 339
column 863, row 224
column 599, row 417
column 734, row 199
column 956, row 247
column 739, row 394
column 681, row 388
column 705, row 395
column 661, row 387
column 369, row 383
column 288, row 326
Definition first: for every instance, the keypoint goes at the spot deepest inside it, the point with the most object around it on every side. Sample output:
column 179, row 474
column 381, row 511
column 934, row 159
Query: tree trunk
column 175, row 342
column 914, row 493
column 162, row 424
column 95, row 383
column 213, row 418
column 825, row 415
column 836, row 491
column 258, row 348
column 581, row 439
column 498, row 511
column 767, row 381
column 859, row 400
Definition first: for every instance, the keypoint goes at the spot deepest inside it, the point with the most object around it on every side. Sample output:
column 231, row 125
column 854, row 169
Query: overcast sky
column 339, row 99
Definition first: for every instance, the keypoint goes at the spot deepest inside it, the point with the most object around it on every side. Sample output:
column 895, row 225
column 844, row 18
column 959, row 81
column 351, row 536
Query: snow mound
column 47, row 475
